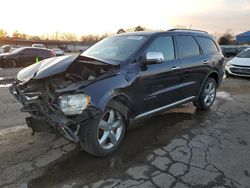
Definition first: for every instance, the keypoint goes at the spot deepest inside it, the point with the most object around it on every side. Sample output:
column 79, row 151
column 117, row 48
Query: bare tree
column 139, row 28
column 3, row 34
column 120, row 31
column 17, row 34
column 227, row 39
column 69, row 37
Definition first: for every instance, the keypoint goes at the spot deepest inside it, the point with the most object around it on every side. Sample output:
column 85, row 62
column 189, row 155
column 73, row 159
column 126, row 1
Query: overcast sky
column 38, row 17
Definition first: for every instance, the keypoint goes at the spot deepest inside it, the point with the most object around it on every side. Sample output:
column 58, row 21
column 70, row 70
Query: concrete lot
column 181, row 148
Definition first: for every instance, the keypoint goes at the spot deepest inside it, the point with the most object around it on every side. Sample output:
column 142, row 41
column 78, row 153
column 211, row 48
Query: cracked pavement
column 179, row 148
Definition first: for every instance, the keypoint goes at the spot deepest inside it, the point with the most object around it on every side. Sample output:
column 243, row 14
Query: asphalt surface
column 179, row 148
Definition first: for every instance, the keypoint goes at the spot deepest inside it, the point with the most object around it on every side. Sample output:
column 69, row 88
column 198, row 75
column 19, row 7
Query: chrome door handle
column 175, row 68
column 206, row 62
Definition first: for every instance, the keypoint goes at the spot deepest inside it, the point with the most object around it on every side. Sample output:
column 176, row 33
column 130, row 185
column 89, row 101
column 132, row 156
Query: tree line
column 90, row 38
column 227, row 38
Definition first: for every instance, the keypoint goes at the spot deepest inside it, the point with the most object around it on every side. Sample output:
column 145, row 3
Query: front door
column 158, row 84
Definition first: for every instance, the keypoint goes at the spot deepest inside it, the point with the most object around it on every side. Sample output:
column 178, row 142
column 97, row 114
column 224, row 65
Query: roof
column 243, row 37
column 172, row 31
column 34, row 48
column 247, row 33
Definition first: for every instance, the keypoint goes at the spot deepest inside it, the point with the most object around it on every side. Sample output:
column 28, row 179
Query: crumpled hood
column 46, row 68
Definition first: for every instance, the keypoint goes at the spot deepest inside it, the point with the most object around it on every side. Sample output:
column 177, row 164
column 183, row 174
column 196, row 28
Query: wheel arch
column 214, row 75
column 10, row 59
column 122, row 103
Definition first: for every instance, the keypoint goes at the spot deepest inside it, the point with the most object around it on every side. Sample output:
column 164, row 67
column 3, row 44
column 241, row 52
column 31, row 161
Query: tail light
column 52, row 53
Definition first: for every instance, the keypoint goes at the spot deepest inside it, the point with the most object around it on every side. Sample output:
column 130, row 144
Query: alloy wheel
column 209, row 94
column 110, row 129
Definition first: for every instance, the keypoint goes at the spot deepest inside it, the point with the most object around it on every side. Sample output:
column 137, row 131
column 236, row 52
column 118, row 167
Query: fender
column 210, row 73
column 103, row 91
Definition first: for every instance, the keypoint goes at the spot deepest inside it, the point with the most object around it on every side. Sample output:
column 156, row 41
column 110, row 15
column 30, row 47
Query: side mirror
column 153, row 57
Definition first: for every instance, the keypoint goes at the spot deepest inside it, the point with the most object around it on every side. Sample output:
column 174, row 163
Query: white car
column 240, row 65
column 57, row 51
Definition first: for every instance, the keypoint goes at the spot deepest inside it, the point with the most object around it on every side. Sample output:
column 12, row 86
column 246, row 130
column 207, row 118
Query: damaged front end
column 57, row 100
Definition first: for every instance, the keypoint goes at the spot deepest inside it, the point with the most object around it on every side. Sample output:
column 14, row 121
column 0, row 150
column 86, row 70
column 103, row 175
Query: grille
column 240, row 71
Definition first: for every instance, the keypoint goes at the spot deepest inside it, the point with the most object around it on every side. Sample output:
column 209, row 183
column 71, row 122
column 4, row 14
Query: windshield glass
column 115, row 48
column 244, row 54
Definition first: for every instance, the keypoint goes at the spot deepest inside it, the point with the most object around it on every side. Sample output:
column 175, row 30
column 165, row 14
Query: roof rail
column 176, row 29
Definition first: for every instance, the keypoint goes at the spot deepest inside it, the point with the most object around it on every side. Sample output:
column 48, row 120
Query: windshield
column 244, row 54
column 115, row 48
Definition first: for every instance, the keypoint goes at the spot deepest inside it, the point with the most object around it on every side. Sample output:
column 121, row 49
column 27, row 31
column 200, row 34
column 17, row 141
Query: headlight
column 74, row 104
column 228, row 65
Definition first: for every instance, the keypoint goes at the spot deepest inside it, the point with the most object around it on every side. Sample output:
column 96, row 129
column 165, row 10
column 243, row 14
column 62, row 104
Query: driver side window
column 164, row 45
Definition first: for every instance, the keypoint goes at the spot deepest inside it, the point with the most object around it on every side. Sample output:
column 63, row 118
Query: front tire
column 207, row 95
column 103, row 134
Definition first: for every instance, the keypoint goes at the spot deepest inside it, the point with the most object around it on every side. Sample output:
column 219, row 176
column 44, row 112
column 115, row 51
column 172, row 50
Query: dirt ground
column 180, row 148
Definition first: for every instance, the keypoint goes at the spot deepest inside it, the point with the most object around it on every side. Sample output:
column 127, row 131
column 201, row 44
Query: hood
column 4, row 54
column 240, row 61
column 46, row 68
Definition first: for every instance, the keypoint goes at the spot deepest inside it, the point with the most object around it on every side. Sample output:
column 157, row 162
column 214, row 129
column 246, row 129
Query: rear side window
column 208, row 45
column 45, row 52
column 188, row 46
column 30, row 52
column 164, row 45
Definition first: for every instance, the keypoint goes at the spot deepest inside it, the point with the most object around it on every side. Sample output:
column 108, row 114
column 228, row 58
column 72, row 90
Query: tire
column 207, row 95
column 102, row 136
column 10, row 63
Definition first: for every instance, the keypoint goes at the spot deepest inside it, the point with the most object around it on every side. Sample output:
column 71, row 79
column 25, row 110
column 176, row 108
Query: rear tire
column 10, row 63
column 103, row 134
column 207, row 95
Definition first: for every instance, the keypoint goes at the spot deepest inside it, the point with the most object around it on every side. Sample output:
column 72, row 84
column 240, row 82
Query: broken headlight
column 74, row 104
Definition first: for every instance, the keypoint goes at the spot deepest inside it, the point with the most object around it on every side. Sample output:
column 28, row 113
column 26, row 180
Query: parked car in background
column 232, row 50
column 65, row 49
column 5, row 49
column 93, row 97
column 24, row 56
column 57, row 51
column 38, row 46
column 240, row 65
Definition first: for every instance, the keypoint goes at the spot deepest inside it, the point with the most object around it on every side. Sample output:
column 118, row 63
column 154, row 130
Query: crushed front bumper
column 44, row 114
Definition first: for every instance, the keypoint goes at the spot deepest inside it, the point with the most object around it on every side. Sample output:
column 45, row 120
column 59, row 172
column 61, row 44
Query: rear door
column 29, row 56
column 213, row 58
column 193, row 64
column 24, row 57
column 159, row 83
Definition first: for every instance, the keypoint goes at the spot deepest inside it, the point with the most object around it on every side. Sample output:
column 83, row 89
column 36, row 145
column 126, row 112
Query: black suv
column 92, row 98
column 24, row 56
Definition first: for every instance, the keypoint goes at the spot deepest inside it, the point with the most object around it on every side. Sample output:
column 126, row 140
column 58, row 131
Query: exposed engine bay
column 40, row 97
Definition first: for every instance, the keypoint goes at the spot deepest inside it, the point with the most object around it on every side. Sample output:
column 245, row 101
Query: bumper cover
column 43, row 113
column 239, row 71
